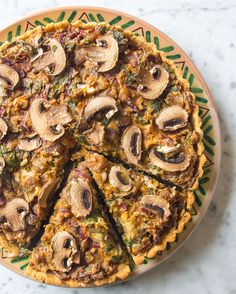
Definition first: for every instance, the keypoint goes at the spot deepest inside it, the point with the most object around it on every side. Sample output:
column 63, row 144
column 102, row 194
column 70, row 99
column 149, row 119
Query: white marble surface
column 206, row 30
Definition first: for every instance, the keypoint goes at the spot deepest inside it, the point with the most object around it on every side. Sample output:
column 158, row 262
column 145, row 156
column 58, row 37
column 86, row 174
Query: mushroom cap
column 55, row 57
column 100, row 103
column 80, row 197
column 172, row 118
column 157, row 205
column 153, row 83
column 14, row 212
column 64, row 247
column 48, row 120
column 10, row 75
column 119, row 179
column 45, row 192
column 105, row 53
column 179, row 162
column 2, row 164
column 30, row 144
column 3, row 128
column 131, row 143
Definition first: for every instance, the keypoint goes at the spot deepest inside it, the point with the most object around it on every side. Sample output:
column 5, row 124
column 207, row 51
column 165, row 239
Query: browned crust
column 52, row 279
column 170, row 237
column 12, row 249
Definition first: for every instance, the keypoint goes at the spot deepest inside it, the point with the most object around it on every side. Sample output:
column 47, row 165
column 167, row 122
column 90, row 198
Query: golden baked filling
column 79, row 247
column 104, row 97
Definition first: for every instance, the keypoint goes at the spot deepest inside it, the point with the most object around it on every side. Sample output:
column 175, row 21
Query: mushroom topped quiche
column 101, row 150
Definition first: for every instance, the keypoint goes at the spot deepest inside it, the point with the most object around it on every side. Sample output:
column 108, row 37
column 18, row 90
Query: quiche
column 93, row 113
column 78, row 247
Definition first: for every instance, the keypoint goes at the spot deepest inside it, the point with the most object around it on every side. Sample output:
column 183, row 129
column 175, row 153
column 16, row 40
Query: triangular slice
column 79, row 247
column 147, row 213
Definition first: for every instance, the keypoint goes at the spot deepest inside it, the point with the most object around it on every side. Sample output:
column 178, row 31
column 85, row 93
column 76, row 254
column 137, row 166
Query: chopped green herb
column 37, row 86
column 12, row 157
column 150, row 190
column 91, row 219
column 83, row 140
column 57, row 84
column 72, row 105
column 4, row 149
column 60, row 80
column 128, row 243
column 120, row 37
column 94, row 217
column 74, row 86
column 174, row 88
column 142, row 120
column 156, row 105
column 54, row 48
column 88, row 42
column 130, row 78
column 108, row 247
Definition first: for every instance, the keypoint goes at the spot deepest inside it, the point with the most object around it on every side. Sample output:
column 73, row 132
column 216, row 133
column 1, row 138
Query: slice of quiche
column 147, row 213
column 31, row 172
column 78, row 247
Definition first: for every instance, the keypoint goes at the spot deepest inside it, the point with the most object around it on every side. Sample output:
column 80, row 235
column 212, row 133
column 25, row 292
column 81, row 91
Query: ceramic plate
column 210, row 123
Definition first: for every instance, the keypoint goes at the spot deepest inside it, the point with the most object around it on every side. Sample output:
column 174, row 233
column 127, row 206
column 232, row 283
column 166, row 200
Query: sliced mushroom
column 105, row 54
column 157, row 205
column 153, row 82
column 48, row 120
column 30, row 144
column 2, row 164
column 3, row 128
column 3, row 88
column 119, row 179
column 53, row 61
column 131, row 142
column 96, row 134
column 46, row 191
column 100, row 103
column 172, row 118
column 178, row 162
column 14, row 212
column 64, row 247
column 80, row 198
column 9, row 75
